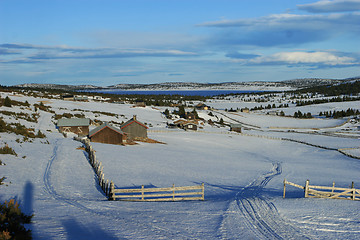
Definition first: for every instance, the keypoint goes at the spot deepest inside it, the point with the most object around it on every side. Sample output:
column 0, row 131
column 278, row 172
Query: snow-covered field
column 243, row 176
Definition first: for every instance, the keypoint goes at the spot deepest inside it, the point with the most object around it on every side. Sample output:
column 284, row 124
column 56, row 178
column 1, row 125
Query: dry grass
column 45, row 102
column 148, row 140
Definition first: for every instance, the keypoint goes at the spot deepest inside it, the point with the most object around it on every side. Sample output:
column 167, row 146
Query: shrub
column 7, row 150
column 7, row 102
column 40, row 134
column 12, row 221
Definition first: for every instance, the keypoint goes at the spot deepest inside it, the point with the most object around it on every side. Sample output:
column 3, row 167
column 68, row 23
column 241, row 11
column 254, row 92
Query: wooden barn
column 106, row 133
column 236, row 127
column 134, row 129
column 78, row 126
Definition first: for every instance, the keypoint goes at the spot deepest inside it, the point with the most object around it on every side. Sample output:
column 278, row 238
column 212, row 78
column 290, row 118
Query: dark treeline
column 320, row 101
column 352, row 88
column 340, row 114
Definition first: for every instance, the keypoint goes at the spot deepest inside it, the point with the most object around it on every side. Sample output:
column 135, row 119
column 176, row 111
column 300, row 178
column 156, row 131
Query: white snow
column 243, row 176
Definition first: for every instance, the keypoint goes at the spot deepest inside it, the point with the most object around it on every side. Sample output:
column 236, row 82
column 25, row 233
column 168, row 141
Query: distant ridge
column 255, row 85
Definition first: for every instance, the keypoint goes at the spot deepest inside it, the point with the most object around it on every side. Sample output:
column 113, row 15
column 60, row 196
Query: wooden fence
column 104, row 183
column 159, row 194
column 326, row 192
column 143, row 194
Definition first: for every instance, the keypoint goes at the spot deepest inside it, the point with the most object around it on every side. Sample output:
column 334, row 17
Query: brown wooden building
column 185, row 124
column 134, row 129
column 107, row 134
column 78, row 126
column 236, row 127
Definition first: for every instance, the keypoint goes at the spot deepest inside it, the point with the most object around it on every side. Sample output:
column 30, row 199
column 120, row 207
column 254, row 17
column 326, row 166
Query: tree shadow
column 28, row 198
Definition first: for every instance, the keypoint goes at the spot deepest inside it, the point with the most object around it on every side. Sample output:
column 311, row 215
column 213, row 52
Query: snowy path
column 91, row 205
column 252, row 216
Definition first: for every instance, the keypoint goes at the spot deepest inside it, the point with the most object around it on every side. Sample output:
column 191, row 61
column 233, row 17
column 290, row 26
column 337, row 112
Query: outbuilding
column 134, row 129
column 189, row 126
column 78, row 126
column 106, row 133
column 236, row 127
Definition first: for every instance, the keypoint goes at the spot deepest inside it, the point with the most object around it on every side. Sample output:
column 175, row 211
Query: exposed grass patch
column 30, row 118
column 20, row 129
column 7, row 150
column 68, row 115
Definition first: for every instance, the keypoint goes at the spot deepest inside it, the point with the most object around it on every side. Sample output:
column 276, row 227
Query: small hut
column 236, row 127
column 106, row 133
column 134, row 129
column 78, row 126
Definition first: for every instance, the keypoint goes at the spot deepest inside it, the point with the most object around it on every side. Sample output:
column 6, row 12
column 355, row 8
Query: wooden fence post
column 107, row 187
column 203, row 191
column 307, row 188
column 112, row 191
column 142, row 192
column 103, row 182
column 284, row 188
column 353, row 191
column 173, row 192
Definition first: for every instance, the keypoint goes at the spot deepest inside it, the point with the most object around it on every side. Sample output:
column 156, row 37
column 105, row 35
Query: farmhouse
column 78, row 126
column 190, row 116
column 139, row 104
column 134, row 129
column 245, row 110
column 106, row 133
column 185, row 124
column 67, row 97
column 189, row 126
column 81, row 98
column 236, row 127
column 201, row 106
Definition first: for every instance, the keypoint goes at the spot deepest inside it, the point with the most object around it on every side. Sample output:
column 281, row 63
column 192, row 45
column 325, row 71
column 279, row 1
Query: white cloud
column 307, row 58
column 331, row 6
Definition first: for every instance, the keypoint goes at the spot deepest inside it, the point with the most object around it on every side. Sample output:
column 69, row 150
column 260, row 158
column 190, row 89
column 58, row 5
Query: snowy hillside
column 243, row 173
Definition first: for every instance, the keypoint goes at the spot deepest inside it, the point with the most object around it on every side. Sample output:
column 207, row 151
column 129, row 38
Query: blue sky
column 106, row 42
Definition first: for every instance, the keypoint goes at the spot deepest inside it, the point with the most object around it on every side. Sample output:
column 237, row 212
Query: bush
column 7, row 150
column 12, row 221
column 40, row 135
column 7, row 102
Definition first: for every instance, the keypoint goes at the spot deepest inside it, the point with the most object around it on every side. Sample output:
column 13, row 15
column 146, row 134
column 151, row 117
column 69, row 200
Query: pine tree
column 7, row 102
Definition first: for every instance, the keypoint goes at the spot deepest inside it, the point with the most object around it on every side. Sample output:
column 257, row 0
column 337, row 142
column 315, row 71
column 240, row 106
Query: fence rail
column 159, row 194
column 333, row 192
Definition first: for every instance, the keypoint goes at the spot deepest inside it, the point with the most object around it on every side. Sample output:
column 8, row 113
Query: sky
column 108, row 42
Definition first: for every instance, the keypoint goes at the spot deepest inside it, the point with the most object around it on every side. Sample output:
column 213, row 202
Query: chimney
column 134, row 117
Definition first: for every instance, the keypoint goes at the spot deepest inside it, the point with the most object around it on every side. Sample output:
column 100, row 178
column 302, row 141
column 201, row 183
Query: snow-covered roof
column 132, row 120
column 73, row 122
column 104, row 125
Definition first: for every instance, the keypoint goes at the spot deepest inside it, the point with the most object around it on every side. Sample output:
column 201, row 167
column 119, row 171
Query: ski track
column 114, row 215
column 252, row 216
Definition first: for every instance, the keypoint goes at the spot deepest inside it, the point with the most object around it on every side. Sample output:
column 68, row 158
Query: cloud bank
column 331, row 6
column 35, row 53
column 283, row 29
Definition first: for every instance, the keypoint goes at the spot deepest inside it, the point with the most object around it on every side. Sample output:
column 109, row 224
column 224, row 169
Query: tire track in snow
column 125, row 224
column 252, row 216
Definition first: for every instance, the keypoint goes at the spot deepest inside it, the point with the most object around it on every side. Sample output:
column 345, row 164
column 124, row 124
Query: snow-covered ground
column 243, row 176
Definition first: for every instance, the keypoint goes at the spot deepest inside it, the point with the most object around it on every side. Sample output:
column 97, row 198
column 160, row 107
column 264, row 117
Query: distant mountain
column 56, row 86
column 256, row 85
